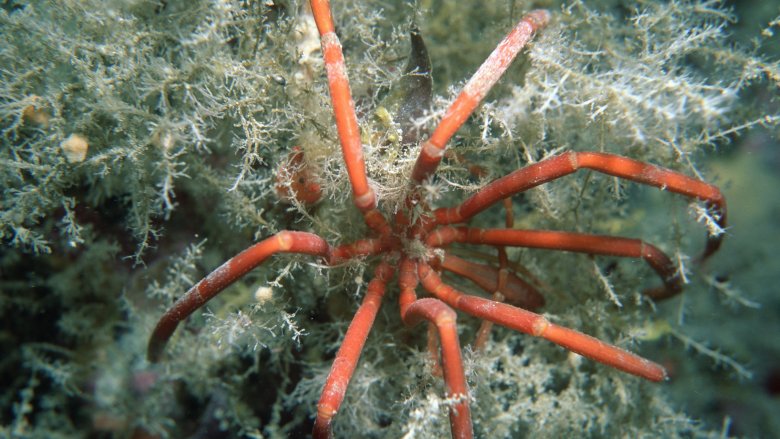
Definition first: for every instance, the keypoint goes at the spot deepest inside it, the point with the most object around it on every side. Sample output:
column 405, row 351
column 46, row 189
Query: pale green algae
column 188, row 107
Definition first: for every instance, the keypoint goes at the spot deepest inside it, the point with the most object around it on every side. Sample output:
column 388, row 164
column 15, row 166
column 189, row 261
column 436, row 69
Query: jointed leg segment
column 444, row 318
column 226, row 274
column 536, row 325
column 432, row 150
column 346, row 119
column 568, row 241
column 495, row 280
column 568, row 163
column 343, row 106
column 349, row 353
column 414, row 310
column 239, row 265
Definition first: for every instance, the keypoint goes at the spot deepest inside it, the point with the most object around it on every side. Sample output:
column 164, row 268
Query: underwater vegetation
column 143, row 144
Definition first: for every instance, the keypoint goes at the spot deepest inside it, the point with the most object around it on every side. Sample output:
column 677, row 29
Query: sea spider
column 414, row 246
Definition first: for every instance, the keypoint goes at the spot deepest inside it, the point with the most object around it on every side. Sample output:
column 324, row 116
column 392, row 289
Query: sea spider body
column 411, row 246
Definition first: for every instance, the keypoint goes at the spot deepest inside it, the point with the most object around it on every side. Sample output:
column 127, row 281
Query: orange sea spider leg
column 569, row 162
column 569, row 241
column 237, row 266
column 444, row 319
column 537, row 325
column 475, row 90
column 349, row 353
